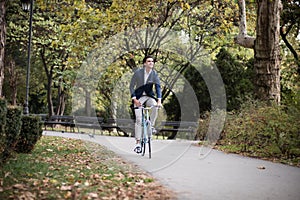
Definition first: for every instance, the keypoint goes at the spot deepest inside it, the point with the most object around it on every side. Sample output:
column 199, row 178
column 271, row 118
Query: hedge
column 31, row 132
column 12, row 129
column 3, row 110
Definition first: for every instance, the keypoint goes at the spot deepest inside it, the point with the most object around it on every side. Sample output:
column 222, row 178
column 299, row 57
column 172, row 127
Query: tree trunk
column 49, row 96
column 60, row 109
column 13, row 78
column 61, row 104
column 2, row 43
column 88, row 104
column 49, row 74
column 267, row 50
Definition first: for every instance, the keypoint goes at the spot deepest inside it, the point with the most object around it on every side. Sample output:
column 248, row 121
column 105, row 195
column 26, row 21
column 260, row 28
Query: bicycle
column 146, row 130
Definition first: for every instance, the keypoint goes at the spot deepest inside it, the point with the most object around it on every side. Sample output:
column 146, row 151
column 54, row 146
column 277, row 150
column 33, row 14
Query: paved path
column 205, row 174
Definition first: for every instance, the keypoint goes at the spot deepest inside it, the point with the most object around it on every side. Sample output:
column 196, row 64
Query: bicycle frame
column 146, row 130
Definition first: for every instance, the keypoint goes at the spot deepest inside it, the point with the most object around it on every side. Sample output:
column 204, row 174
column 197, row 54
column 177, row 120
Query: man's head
column 148, row 62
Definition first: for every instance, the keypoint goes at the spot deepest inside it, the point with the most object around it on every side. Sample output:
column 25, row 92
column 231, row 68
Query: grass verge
column 61, row 168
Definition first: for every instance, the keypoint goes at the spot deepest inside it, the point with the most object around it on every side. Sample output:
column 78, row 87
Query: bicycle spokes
column 146, row 132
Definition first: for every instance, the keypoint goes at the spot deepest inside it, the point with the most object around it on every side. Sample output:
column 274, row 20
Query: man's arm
column 132, row 85
column 158, row 89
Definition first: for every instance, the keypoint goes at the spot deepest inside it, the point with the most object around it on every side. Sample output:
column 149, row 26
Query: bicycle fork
column 146, row 134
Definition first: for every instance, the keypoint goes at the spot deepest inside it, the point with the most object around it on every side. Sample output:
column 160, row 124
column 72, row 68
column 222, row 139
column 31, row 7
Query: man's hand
column 137, row 103
column 159, row 103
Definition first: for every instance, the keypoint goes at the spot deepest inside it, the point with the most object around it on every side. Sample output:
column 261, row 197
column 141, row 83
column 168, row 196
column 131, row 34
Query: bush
column 31, row 132
column 12, row 129
column 264, row 131
column 3, row 110
column 237, row 77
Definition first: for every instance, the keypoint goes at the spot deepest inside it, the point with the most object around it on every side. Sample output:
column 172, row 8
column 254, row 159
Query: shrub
column 237, row 77
column 30, row 133
column 12, row 129
column 264, row 131
column 3, row 110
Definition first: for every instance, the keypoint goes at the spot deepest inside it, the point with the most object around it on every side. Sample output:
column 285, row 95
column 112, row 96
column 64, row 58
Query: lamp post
column 27, row 5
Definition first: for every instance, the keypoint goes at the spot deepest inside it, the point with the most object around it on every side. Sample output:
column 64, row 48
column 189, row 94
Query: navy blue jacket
column 137, row 86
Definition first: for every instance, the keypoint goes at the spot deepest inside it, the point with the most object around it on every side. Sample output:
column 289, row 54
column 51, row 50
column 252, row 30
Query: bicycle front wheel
column 143, row 145
column 149, row 145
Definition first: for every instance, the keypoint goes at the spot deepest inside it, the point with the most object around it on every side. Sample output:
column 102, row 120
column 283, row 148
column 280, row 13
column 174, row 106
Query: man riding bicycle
column 141, row 89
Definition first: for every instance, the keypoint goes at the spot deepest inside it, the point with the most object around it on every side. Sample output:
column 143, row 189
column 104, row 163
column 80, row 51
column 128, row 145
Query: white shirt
column 146, row 76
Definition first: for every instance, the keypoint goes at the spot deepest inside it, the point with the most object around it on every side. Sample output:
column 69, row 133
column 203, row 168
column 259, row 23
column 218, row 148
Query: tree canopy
column 67, row 33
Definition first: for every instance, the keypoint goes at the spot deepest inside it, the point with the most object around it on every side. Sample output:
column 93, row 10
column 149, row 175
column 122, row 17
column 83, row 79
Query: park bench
column 174, row 127
column 62, row 120
column 88, row 122
column 124, row 126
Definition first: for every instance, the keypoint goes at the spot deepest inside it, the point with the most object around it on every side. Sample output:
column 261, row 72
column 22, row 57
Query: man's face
column 149, row 63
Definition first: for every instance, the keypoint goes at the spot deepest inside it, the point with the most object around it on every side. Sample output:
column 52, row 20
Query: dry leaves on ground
column 62, row 168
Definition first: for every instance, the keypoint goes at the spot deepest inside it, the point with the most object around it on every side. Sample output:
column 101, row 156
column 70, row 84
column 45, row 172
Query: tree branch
column 242, row 38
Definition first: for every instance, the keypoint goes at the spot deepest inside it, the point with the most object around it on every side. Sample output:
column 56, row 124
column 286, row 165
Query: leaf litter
column 62, row 168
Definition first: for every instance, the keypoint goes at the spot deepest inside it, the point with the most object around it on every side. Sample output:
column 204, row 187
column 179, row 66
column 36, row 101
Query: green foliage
column 30, row 133
column 264, row 131
column 106, row 86
column 65, row 32
column 12, row 129
column 3, row 110
column 237, row 78
column 290, row 82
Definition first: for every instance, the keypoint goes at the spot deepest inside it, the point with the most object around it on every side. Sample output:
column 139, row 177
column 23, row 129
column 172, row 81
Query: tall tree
column 267, row 50
column 266, row 47
column 2, row 43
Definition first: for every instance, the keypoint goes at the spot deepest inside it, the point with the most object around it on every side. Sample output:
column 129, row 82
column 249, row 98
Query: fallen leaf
column 95, row 176
column 35, row 183
column 49, row 150
column 93, row 195
column 27, row 196
column 66, row 187
column 43, row 192
column 7, row 174
column 53, row 181
column 261, row 167
column 76, row 184
column 68, row 195
column 19, row 186
column 86, row 183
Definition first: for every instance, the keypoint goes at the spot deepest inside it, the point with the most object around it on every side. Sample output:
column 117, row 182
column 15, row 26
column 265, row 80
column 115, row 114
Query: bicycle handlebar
column 146, row 108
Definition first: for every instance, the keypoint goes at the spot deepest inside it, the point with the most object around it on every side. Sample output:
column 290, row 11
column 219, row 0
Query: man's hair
column 146, row 57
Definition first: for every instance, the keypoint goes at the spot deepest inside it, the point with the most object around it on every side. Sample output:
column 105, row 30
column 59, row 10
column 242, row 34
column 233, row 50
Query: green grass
column 60, row 168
